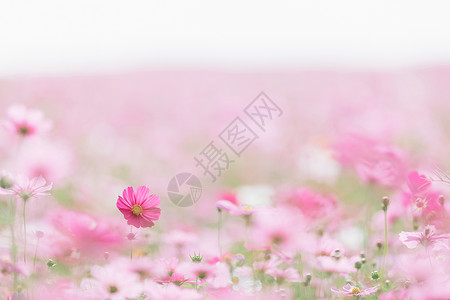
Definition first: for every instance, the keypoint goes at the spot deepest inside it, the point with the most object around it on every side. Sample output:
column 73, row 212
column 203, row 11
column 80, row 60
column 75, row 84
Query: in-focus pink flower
column 350, row 290
column 25, row 188
column 139, row 208
column 22, row 121
column 427, row 238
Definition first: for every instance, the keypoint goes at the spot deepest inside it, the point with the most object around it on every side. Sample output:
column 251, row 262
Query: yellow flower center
column 247, row 208
column 136, row 210
column 355, row 291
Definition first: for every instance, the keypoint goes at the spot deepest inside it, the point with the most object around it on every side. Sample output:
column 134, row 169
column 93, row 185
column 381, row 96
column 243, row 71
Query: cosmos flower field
column 214, row 185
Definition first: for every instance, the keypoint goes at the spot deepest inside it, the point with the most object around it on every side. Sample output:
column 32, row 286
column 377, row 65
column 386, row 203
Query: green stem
column 385, row 252
column 35, row 254
column 247, row 227
column 25, row 234
column 300, row 265
column 429, row 257
column 131, row 244
column 13, row 237
column 219, row 229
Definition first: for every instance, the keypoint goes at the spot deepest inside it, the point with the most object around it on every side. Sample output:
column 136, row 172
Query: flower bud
column 385, row 204
column 375, row 275
column 196, row 258
column 379, row 245
column 39, row 234
column 50, row 263
column 6, row 180
column 131, row 236
column 308, row 278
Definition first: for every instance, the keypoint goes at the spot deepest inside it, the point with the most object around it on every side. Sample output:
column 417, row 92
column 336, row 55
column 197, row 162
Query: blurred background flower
column 97, row 97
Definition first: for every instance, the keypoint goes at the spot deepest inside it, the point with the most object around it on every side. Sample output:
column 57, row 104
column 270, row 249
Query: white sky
column 54, row 36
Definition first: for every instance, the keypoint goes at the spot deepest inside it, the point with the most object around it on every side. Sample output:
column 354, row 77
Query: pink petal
column 410, row 239
column 154, row 200
column 146, row 222
column 417, row 183
column 121, row 203
column 142, row 193
column 152, row 213
column 128, row 196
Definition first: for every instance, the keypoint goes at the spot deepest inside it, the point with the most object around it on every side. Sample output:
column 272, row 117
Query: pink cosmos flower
column 417, row 183
column 167, row 271
column 343, row 265
column 420, row 196
column 198, row 270
column 217, row 275
column 395, row 295
column 229, row 202
column 34, row 161
column 289, row 275
column 22, row 121
column 91, row 235
column 62, row 289
column 111, row 282
column 25, row 188
column 427, row 238
column 311, row 204
column 267, row 265
column 233, row 209
column 169, row 292
column 283, row 229
column 385, row 165
column 327, row 246
column 175, row 278
column 139, row 208
column 373, row 160
column 350, row 290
